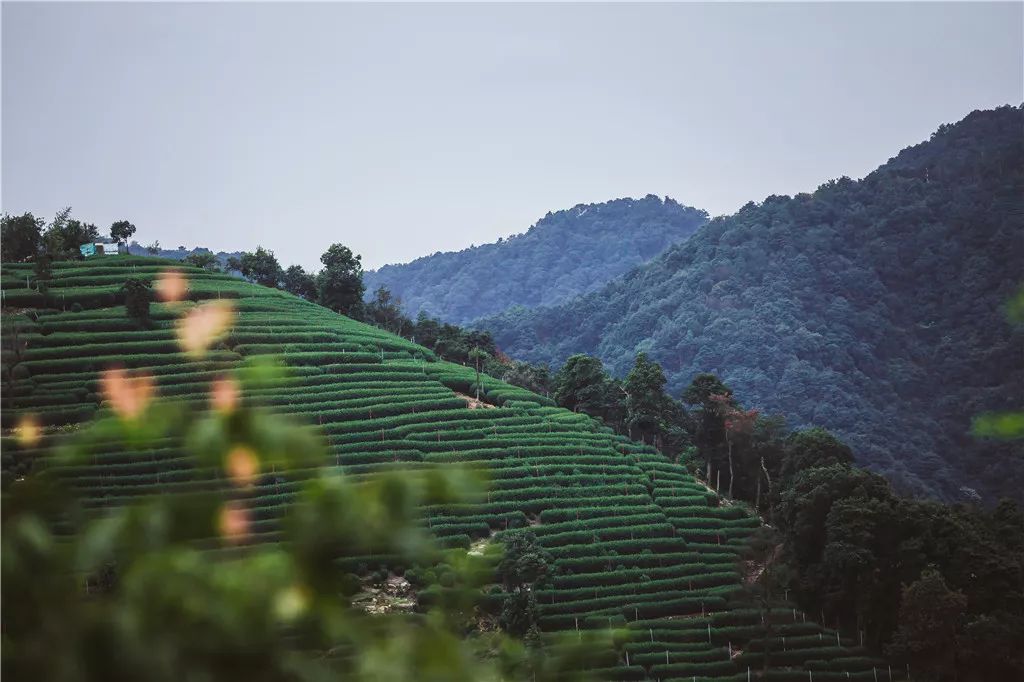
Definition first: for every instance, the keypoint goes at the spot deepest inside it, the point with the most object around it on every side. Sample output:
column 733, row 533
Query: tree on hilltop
column 385, row 310
column 299, row 282
column 121, row 232
column 645, row 398
column 204, row 260
column 260, row 267
column 20, row 237
column 64, row 235
column 340, row 282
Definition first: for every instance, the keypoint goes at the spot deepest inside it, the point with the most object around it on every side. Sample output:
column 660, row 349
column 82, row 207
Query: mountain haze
column 566, row 253
column 870, row 307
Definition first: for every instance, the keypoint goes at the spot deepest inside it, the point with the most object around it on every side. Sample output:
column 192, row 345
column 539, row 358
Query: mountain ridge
column 565, row 253
column 840, row 306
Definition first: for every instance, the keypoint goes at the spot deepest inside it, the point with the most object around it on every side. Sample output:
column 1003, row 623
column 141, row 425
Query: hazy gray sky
column 401, row 130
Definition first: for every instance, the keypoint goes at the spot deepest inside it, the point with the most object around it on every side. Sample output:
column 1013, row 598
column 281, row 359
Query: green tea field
column 637, row 542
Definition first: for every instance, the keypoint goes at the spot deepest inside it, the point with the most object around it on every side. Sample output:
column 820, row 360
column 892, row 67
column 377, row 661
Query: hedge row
column 650, row 531
column 612, row 560
column 571, row 580
column 597, row 524
column 640, row 587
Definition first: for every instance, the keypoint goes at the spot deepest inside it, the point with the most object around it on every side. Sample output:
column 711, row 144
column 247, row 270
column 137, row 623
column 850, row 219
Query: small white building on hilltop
column 99, row 249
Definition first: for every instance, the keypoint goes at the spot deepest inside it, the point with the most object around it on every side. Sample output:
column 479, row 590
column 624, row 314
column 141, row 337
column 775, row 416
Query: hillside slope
column 636, row 541
column 870, row 307
column 566, row 253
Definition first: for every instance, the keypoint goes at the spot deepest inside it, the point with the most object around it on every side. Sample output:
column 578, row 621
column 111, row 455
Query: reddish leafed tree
column 738, row 423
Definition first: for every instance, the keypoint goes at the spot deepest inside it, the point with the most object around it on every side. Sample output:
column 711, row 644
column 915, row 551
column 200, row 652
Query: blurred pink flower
column 242, row 466
column 171, row 285
column 128, row 396
column 224, row 395
column 202, row 326
column 233, row 522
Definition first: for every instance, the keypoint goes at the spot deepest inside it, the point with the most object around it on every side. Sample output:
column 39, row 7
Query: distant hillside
column 181, row 253
column 871, row 307
column 566, row 253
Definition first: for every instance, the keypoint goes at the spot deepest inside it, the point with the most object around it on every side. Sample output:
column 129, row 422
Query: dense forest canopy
column 566, row 253
column 870, row 307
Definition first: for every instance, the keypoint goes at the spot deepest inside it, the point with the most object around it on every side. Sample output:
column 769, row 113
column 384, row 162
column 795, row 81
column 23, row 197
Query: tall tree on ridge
column 645, row 398
column 386, row 310
column 931, row 615
column 299, row 282
column 204, row 260
column 341, row 281
column 710, row 434
column 20, row 237
column 261, row 267
column 737, row 423
column 121, row 232
column 64, row 236
column 580, row 384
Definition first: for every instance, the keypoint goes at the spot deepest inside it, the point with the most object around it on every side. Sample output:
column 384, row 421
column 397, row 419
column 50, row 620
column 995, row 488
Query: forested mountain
column 870, row 307
column 566, row 253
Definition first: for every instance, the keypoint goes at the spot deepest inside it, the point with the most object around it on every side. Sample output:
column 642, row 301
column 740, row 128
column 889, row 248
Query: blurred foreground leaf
column 1002, row 425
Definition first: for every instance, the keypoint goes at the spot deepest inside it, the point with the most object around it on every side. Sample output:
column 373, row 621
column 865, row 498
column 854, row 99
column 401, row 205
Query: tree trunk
column 478, row 377
column 771, row 512
column 757, row 497
column 731, row 477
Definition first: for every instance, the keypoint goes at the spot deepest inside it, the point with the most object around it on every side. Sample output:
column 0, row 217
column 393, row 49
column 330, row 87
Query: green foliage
column 137, row 295
column 385, row 311
column 871, row 308
column 850, row 541
column 447, row 340
column 20, row 237
column 1002, row 425
column 566, row 253
column 43, row 271
column 340, row 281
column 646, row 405
column 853, row 543
column 582, row 385
column 203, row 259
column 121, row 231
column 299, row 282
column 524, row 563
column 1015, row 308
column 536, row 379
column 261, row 267
column 64, row 235
column 157, row 608
column 519, row 613
column 811, row 448
column 173, row 586
column 931, row 615
column 622, row 536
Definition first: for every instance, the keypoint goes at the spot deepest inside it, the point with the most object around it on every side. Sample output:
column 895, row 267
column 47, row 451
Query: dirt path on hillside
column 473, row 403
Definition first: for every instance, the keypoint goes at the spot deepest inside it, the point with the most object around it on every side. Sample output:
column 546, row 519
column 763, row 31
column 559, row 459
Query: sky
column 401, row 130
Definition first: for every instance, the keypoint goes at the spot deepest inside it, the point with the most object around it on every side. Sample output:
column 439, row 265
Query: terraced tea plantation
column 637, row 542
